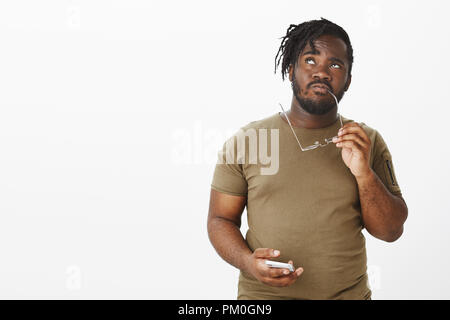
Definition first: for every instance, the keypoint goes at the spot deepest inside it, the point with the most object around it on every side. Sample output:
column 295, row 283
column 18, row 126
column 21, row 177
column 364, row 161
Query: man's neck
column 300, row 118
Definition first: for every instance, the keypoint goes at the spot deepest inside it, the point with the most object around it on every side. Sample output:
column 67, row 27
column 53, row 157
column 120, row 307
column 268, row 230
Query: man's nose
column 322, row 73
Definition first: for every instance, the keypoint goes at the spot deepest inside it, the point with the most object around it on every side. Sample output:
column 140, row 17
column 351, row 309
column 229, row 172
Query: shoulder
column 268, row 122
column 251, row 129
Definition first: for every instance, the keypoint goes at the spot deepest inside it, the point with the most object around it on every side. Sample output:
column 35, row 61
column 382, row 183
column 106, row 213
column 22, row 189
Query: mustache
column 325, row 83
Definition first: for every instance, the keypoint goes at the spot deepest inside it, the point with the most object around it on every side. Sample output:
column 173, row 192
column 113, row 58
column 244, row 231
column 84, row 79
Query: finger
column 266, row 253
column 299, row 271
column 290, row 276
column 275, row 272
column 351, row 137
column 286, row 280
column 278, row 272
column 351, row 145
column 270, row 272
column 287, row 271
column 354, row 128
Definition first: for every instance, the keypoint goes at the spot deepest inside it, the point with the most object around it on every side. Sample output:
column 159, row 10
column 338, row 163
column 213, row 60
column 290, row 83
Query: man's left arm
column 383, row 213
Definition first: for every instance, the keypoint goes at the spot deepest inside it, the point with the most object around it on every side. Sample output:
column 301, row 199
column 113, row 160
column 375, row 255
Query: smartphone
column 281, row 265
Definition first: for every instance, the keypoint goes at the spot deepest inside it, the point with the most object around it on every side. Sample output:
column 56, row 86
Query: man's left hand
column 355, row 146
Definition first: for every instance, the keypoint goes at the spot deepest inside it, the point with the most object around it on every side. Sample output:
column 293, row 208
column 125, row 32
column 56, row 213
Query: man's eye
column 309, row 59
column 336, row 66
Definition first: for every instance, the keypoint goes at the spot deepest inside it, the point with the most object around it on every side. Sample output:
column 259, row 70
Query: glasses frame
column 317, row 143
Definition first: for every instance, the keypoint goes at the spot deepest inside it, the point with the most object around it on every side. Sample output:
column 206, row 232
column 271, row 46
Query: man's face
column 326, row 67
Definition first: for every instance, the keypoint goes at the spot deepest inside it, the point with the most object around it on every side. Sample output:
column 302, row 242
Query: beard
column 315, row 107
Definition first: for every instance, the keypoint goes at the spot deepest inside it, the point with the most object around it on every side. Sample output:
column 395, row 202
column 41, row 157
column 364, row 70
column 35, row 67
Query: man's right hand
column 271, row 276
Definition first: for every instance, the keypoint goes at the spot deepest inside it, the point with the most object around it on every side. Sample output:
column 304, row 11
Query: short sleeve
column 384, row 166
column 228, row 175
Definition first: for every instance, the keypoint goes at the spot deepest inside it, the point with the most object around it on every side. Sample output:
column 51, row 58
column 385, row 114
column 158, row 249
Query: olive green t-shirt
column 306, row 204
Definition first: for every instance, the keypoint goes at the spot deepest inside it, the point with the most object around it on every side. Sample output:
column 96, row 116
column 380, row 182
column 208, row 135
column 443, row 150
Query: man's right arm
column 224, row 222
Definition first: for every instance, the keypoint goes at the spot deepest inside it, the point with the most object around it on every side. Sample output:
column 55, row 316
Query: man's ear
column 349, row 80
column 291, row 70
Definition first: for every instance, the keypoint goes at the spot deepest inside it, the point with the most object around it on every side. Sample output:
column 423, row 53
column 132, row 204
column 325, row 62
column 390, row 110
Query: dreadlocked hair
column 297, row 36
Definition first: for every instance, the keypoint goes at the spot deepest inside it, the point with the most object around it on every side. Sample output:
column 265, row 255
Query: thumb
column 266, row 253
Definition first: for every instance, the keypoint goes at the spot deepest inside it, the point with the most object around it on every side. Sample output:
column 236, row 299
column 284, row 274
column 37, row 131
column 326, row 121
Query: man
column 311, row 212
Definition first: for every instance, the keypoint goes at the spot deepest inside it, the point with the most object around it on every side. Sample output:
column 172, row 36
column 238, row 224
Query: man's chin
column 319, row 96
column 318, row 112
column 315, row 107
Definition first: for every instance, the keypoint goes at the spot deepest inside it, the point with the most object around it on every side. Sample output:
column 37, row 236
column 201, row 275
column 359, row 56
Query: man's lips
column 320, row 88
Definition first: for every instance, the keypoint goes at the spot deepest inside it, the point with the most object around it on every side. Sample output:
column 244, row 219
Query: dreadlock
column 297, row 36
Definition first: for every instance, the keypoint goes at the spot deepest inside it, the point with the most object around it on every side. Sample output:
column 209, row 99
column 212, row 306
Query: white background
column 111, row 114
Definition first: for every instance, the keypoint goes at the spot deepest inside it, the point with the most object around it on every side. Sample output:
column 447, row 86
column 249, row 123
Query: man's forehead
column 327, row 44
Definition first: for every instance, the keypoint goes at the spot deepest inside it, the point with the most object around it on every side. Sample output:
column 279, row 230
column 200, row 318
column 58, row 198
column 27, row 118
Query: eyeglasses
column 317, row 143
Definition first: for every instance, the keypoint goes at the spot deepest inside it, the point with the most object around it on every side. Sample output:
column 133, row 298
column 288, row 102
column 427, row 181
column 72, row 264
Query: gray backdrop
column 111, row 114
